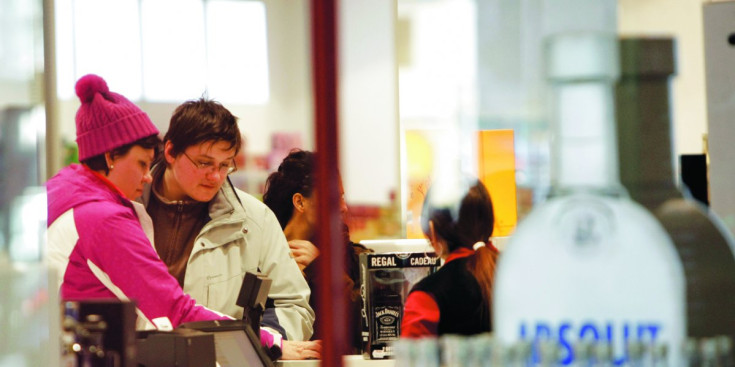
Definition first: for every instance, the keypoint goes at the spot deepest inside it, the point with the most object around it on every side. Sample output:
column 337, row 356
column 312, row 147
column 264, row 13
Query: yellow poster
column 496, row 169
column 420, row 158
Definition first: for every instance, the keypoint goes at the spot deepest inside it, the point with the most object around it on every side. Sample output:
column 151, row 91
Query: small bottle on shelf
column 427, row 353
column 404, row 352
column 484, row 351
column 455, row 351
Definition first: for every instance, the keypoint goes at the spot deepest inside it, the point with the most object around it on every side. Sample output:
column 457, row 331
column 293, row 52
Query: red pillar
column 331, row 305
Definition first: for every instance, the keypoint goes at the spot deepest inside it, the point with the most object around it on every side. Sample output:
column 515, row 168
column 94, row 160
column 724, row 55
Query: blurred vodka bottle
column 588, row 263
column 427, row 352
column 647, row 170
column 422, row 352
column 455, row 350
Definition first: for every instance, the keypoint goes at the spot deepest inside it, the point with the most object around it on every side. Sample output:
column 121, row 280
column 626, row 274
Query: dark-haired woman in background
column 457, row 298
column 291, row 195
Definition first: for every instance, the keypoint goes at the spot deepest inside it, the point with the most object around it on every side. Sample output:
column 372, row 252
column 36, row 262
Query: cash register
column 216, row 343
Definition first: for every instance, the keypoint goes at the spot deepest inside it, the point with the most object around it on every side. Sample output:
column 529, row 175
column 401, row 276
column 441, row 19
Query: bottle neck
column 582, row 70
column 644, row 118
column 584, row 149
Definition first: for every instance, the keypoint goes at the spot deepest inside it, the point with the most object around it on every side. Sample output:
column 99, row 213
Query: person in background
column 457, row 298
column 290, row 193
column 95, row 236
column 209, row 234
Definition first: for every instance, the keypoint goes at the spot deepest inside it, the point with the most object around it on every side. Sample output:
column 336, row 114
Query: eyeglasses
column 208, row 167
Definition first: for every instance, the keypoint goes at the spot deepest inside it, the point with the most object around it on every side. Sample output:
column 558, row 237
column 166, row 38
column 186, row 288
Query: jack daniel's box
column 385, row 280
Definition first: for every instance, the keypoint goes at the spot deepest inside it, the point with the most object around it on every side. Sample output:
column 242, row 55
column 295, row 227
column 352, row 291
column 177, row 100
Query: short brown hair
column 199, row 121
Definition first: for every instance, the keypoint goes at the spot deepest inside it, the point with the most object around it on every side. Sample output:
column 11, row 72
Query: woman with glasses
column 210, row 234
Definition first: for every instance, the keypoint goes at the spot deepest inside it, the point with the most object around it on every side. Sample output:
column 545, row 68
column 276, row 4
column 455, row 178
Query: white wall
column 681, row 19
column 290, row 104
column 720, row 76
column 368, row 94
column 368, row 101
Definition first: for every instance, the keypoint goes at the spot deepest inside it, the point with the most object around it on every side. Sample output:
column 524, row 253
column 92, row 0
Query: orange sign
column 496, row 169
column 419, row 159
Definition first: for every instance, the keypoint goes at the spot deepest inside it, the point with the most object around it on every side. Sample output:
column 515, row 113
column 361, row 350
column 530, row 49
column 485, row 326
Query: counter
column 348, row 361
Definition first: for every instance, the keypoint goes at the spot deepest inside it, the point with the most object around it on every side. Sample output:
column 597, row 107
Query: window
column 165, row 50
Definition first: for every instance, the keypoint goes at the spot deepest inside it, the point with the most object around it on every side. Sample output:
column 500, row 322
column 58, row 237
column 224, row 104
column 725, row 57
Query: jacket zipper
column 177, row 221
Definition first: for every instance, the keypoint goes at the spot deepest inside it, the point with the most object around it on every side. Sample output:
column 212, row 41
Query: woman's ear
column 298, row 202
column 110, row 162
column 167, row 155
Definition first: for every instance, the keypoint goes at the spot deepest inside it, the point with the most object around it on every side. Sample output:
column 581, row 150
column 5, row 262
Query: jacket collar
column 459, row 253
column 224, row 204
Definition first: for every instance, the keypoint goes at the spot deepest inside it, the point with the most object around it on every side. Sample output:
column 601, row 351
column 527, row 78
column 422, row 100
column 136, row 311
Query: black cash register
column 224, row 343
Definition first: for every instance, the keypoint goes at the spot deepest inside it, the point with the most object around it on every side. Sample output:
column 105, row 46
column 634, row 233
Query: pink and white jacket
column 97, row 243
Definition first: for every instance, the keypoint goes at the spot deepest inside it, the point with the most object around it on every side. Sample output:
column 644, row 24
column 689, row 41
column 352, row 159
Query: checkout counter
column 393, row 267
column 102, row 333
column 347, row 361
column 380, row 270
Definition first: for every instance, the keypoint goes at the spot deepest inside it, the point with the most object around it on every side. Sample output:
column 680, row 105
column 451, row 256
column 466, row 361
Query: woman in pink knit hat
column 95, row 236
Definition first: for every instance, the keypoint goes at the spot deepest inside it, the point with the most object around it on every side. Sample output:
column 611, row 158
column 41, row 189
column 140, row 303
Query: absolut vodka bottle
column 588, row 264
column 647, row 171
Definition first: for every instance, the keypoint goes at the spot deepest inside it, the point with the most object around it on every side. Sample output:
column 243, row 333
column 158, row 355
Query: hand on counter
column 293, row 350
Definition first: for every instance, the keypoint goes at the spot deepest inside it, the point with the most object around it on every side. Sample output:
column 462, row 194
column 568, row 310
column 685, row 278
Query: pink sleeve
column 420, row 316
column 118, row 247
column 269, row 338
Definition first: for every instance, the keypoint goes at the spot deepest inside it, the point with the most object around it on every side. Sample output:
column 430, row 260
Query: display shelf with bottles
column 588, row 264
column 648, row 172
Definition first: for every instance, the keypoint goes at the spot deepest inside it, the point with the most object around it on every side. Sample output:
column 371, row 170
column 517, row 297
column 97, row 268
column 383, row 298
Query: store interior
column 417, row 81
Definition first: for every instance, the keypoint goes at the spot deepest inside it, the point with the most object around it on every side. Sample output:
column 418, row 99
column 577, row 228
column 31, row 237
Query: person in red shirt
column 457, row 219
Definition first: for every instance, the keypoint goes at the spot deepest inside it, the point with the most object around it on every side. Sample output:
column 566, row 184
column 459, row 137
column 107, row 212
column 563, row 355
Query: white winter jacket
column 242, row 236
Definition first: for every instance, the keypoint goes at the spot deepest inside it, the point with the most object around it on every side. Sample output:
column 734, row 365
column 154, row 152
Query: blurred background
column 425, row 86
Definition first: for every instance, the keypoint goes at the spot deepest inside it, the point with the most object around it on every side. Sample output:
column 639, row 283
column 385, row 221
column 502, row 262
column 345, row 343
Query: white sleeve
column 289, row 289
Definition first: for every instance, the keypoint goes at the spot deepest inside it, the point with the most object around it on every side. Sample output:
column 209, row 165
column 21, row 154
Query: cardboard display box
column 385, row 280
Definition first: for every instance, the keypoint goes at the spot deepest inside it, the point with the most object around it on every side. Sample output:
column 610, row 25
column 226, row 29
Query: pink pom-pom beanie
column 107, row 120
